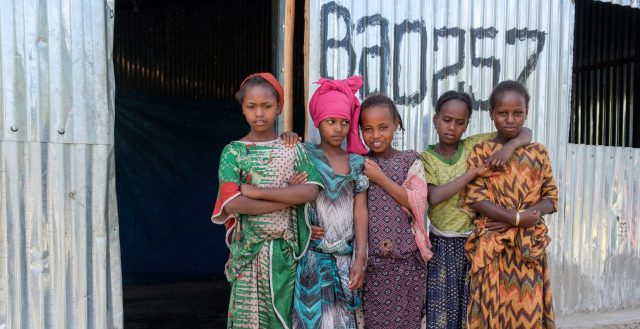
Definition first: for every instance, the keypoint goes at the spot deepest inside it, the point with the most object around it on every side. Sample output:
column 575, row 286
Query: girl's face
column 509, row 114
column 333, row 131
column 378, row 128
column 452, row 121
column 260, row 108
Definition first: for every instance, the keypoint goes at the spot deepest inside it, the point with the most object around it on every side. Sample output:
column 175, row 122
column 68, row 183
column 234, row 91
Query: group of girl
column 323, row 237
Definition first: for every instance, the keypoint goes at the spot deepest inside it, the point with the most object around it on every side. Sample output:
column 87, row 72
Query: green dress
column 264, row 248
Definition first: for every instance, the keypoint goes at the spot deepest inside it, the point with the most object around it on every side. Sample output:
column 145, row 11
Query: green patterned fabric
column 447, row 216
column 264, row 248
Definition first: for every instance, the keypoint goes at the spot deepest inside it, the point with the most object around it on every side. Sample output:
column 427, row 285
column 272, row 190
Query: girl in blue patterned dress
column 331, row 273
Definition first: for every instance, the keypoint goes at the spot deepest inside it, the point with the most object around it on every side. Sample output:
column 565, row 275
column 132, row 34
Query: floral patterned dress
column 322, row 296
column 265, row 249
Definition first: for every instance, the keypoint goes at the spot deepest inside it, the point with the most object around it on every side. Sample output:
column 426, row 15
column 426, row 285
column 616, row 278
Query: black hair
column 252, row 82
column 381, row 100
column 454, row 95
column 508, row 85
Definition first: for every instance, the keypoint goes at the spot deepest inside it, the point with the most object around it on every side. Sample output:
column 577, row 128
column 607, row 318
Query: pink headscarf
column 336, row 99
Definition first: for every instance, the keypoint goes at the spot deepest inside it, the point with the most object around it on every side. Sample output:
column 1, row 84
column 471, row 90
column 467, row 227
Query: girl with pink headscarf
column 331, row 273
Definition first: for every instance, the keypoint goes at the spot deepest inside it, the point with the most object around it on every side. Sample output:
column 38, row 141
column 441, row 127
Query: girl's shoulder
column 410, row 155
column 240, row 143
column 485, row 145
column 478, row 138
column 406, row 155
column 353, row 157
column 356, row 161
column 536, row 147
column 311, row 151
column 275, row 146
column 234, row 147
column 308, row 145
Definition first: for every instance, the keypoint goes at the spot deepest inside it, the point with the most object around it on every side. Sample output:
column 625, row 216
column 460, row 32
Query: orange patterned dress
column 510, row 285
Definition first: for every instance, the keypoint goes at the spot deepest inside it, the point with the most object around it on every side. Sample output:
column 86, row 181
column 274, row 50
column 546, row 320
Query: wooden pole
column 289, row 18
column 306, row 67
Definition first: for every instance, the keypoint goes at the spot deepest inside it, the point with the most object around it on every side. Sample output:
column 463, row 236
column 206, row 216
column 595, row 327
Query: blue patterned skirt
column 322, row 299
column 447, row 284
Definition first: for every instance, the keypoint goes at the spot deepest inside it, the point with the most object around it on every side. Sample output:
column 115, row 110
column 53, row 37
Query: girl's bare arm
column 361, row 231
column 441, row 193
column 508, row 216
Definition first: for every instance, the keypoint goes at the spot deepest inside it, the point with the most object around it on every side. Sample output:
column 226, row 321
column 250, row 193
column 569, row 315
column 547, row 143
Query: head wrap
column 336, row 99
column 273, row 82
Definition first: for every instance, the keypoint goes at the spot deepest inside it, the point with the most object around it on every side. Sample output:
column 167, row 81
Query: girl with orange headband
column 267, row 231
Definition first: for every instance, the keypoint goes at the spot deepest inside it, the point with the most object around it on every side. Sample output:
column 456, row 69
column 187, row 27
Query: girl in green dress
column 445, row 166
column 267, row 230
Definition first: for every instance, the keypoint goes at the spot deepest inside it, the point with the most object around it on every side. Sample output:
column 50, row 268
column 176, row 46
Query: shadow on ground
column 192, row 305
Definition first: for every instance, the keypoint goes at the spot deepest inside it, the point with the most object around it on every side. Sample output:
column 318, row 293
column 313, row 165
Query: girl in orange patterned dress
column 510, row 285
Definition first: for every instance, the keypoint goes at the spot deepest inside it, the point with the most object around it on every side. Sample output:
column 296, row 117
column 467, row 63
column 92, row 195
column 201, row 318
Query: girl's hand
column 317, row 232
column 356, row 276
column 499, row 159
column 249, row 191
column 290, row 138
column 373, row 171
column 486, row 171
column 298, row 178
column 529, row 217
column 496, row 226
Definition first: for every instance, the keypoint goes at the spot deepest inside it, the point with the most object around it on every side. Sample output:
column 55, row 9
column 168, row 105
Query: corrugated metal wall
column 415, row 50
column 595, row 249
column 49, row 71
column 59, row 244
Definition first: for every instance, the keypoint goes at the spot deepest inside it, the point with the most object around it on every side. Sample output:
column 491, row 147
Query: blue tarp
column 167, row 154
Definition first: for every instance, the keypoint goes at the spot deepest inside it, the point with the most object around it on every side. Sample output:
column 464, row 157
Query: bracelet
column 518, row 218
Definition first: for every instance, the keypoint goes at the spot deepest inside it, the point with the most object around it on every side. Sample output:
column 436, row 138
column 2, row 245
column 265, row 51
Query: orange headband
column 273, row 82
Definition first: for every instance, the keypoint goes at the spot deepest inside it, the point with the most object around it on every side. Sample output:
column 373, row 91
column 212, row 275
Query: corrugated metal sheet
column 415, row 50
column 606, row 72
column 595, row 248
column 52, row 87
column 59, row 244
